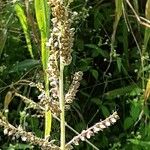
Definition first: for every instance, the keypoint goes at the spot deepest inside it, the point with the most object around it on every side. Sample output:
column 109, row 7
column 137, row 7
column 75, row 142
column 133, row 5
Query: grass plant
column 68, row 67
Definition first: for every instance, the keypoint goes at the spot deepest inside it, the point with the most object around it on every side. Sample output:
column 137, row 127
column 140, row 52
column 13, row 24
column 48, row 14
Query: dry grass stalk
column 18, row 132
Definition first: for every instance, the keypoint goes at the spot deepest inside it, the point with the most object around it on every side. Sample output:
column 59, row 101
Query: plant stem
column 48, row 116
column 62, row 106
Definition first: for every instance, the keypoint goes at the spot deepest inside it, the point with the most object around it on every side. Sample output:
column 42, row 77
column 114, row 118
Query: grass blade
column 118, row 4
column 147, row 30
column 118, row 14
column 23, row 20
column 130, row 90
column 42, row 15
column 3, row 37
column 8, row 99
column 24, row 65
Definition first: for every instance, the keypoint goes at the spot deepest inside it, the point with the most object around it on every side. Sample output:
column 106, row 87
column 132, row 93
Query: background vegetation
column 111, row 47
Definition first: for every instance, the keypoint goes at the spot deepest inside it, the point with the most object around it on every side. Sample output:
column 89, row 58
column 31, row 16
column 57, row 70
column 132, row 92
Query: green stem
column 62, row 107
column 46, row 84
column 48, row 115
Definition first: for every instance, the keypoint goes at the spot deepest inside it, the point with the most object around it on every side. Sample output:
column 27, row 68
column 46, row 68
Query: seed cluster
column 60, row 43
column 18, row 132
column 69, row 97
column 53, row 105
column 61, row 40
column 100, row 126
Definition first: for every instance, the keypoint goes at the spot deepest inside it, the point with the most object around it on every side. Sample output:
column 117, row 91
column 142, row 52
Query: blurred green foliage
column 114, row 78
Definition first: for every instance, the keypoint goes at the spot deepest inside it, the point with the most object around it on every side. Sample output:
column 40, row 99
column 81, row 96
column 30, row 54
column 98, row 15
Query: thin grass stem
column 62, row 107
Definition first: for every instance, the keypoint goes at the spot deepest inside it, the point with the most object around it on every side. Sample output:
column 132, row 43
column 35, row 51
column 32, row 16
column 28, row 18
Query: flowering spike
column 86, row 134
column 25, row 136
column 69, row 97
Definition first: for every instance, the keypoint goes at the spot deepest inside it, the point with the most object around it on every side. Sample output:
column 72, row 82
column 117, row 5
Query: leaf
column 24, row 65
column 128, row 123
column 42, row 16
column 94, row 73
column 34, row 122
column 118, row 14
column 122, row 91
column 98, row 50
column 23, row 20
column 146, row 111
column 125, row 44
column 139, row 142
column 48, row 123
column 8, row 99
column 97, row 19
column 147, row 30
column 135, row 110
column 97, row 101
column 3, row 37
column 19, row 146
column 84, row 64
column 147, row 91
column 118, row 10
column 105, row 111
column 85, row 94
column 80, row 44
column 146, row 37
column 147, row 10
column 119, row 63
column 42, row 12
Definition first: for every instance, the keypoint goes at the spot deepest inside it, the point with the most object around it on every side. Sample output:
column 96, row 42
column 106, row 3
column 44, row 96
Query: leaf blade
column 23, row 20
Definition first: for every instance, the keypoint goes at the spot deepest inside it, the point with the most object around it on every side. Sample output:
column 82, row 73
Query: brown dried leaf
column 8, row 99
column 147, row 91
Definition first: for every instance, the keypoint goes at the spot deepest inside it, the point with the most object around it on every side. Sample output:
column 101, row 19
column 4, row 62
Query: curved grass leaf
column 147, row 30
column 24, row 65
column 7, row 100
column 135, row 110
column 105, row 111
column 147, row 91
column 119, row 63
column 23, row 20
column 118, row 14
column 42, row 15
column 122, row 91
column 118, row 4
column 128, row 123
column 140, row 142
column 94, row 73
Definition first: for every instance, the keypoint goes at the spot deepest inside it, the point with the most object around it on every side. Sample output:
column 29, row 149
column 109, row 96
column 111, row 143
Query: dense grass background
column 115, row 66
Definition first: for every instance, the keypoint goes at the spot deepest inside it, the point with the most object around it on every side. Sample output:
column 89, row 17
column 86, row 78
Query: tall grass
column 55, row 22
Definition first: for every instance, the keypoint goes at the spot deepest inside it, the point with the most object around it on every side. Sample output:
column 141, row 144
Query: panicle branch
column 73, row 89
column 18, row 132
column 100, row 126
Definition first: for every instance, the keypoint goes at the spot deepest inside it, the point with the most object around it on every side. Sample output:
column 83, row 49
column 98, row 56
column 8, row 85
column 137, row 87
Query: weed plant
column 67, row 64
